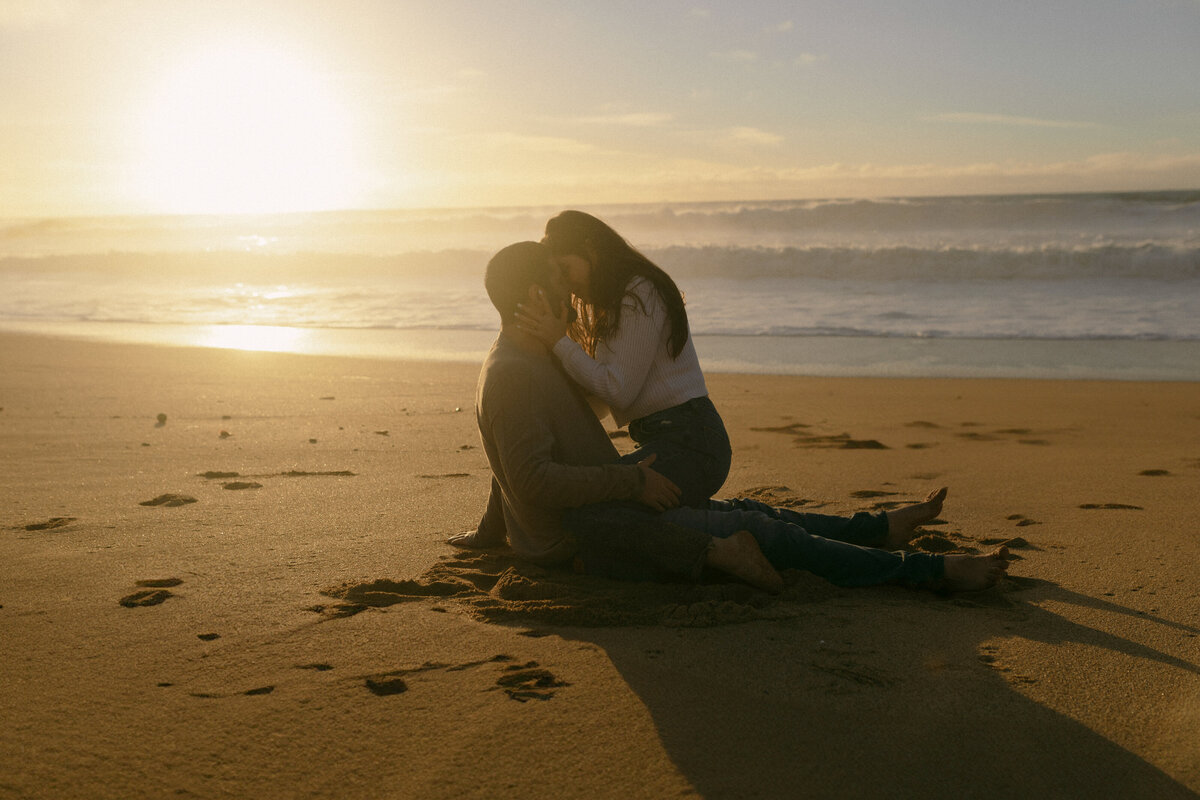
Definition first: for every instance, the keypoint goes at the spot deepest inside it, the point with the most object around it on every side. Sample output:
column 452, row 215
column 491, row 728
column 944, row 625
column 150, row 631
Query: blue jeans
column 843, row 550
column 691, row 448
column 626, row 542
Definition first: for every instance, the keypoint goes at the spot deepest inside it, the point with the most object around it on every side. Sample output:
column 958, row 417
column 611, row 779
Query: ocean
column 1057, row 286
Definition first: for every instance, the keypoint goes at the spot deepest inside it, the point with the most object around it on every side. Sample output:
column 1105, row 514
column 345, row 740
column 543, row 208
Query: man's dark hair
column 511, row 272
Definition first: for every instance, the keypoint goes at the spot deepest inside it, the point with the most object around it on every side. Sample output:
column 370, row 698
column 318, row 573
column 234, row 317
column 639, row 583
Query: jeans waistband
column 696, row 404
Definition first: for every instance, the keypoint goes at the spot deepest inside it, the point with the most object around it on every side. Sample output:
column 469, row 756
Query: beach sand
column 289, row 623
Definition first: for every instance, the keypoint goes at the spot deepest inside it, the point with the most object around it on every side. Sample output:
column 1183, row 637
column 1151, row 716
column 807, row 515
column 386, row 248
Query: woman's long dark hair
column 614, row 264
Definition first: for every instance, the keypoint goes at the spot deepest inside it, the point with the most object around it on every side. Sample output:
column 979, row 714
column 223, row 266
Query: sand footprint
column 146, row 597
column 777, row 496
column 841, row 441
column 153, row 591
column 383, row 685
column 529, row 681
column 158, row 583
column 169, row 500
column 934, row 543
column 212, row 696
column 50, row 524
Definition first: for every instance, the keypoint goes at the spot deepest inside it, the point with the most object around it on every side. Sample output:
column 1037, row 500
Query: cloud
column 783, row 27
column 736, row 56
column 504, row 140
column 971, row 118
column 702, row 13
column 747, row 135
column 804, row 59
column 1101, row 165
column 643, row 119
column 1105, row 169
column 682, row 178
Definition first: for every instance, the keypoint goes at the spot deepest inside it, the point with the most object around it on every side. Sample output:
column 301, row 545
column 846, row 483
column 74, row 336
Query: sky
column 177, row 106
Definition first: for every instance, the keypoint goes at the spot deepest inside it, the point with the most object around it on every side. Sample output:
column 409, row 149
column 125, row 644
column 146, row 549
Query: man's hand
column 658, row 491
column 540, row 321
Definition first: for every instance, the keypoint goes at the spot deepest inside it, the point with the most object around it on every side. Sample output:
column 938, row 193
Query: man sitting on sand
column 561, row 493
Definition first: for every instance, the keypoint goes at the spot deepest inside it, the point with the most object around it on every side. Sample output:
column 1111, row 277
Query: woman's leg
column 691, row 448
column 789, row 546
column 862, row 528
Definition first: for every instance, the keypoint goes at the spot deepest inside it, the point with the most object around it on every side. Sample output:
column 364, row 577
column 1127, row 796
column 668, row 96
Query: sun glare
column 270, row 338
column 243, row 128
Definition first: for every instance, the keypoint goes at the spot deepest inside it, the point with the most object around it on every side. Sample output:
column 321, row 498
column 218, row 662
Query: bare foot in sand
column 740, row 556
column 479, row 539
column 965, row 573
column 902, row 522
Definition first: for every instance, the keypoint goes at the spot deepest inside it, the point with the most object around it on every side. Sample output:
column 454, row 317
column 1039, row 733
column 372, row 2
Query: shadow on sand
column 882, row 693
column 826, row 692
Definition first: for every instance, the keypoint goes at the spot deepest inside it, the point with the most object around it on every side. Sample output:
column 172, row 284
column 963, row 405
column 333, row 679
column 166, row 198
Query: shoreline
column 812, row 356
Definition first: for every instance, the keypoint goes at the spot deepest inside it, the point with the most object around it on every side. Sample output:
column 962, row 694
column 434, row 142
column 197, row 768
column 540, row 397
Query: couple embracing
column 590, row 326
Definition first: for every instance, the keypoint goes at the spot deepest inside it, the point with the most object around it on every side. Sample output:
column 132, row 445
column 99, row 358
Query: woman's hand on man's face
column 540, row 321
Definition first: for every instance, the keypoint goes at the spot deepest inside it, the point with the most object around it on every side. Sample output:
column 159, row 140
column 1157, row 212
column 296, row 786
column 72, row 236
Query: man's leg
column 492, row 531
column 626, row 542
column 890, row 529
column 788, row 545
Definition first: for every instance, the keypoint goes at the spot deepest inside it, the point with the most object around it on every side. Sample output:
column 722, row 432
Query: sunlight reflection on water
column 271, row 338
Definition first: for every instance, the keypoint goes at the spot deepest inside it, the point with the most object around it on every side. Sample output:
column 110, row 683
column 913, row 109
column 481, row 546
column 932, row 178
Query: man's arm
column 524, row 444
column 525, row 447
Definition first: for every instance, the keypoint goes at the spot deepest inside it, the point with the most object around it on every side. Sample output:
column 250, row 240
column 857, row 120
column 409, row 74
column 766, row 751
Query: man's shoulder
column 509, row 372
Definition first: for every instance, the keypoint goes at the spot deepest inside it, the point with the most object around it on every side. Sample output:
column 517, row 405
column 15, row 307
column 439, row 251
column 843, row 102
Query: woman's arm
column 618, row 373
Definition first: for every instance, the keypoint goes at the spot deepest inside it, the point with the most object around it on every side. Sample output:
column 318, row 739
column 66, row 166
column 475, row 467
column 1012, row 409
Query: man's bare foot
column 477, row 540
column 902, row 522
column 740, row 556
column 965, row 573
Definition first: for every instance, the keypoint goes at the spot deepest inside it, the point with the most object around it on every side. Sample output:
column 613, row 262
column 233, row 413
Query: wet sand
column 223, row 574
